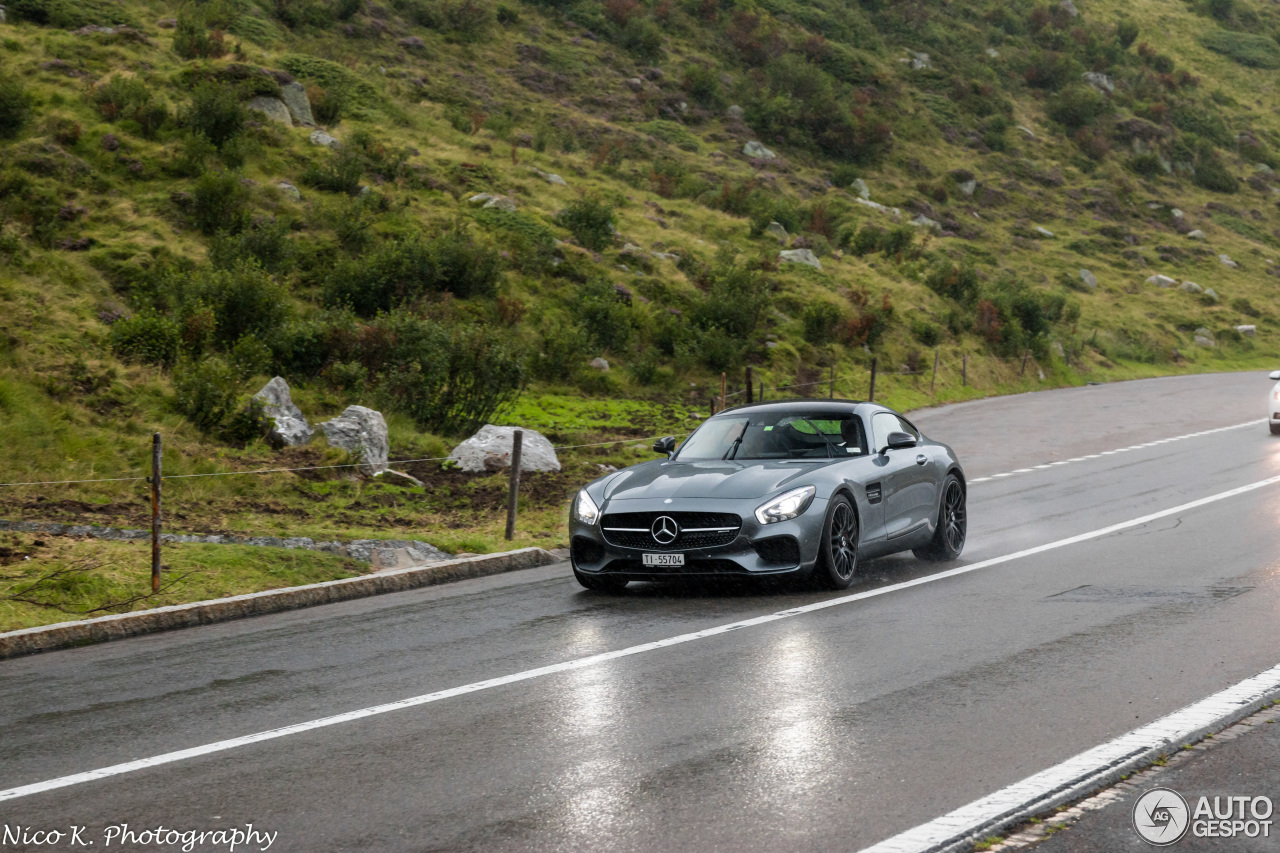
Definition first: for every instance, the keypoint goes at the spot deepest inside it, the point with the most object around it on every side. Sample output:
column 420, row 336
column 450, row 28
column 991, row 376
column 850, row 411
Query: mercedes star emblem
column 664, row 530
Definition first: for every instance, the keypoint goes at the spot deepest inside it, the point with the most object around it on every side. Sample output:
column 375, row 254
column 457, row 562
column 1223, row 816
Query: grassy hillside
column 165, row 249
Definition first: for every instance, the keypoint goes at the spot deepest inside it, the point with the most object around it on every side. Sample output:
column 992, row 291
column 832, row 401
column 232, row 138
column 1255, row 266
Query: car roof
column 809, row 404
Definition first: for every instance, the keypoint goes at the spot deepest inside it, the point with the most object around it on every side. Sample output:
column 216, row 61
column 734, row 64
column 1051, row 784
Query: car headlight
column 786, row 506
column 585, row 508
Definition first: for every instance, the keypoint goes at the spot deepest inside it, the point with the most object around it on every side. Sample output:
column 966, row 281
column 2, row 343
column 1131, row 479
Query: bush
column 926, row 333
column 1212, row 175
column 897, row 241
column 844, row 175
column 244, row 301
column 266, row 242
column 1147, row 165
column 130, row 100
column 15, row 107
column 1126, row 33
column 642, row 37
column 607, row 320
column 147, row 338
column 190, row 41
column 462, row 265
column 327, row 104
column 734, row 303
column 590, row 222
column 821, row 320
column 215, row 112
column 1076, row 106
column 341, row 174
column 868, row 239
column 952, row 280
column 702, row 84
column 207, row 391
column 218, row 202
column 451, row 380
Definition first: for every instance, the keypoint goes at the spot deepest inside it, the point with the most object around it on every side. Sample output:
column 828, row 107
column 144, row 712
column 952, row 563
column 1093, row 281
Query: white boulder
column 1247, row 331
column 1088, row 279
column 319, row 137
column 1161, row 281
column 800, row 256
column 1191, row 287
column 490, row 450
column 272, row 108
column 291, row 428
column 757, row 151
column 362, row 432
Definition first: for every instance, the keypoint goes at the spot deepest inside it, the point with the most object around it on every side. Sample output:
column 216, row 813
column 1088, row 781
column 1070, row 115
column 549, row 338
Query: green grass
column 47, row 580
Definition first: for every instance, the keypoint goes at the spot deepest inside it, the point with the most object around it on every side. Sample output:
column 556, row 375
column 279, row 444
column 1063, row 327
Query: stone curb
column 66, row 634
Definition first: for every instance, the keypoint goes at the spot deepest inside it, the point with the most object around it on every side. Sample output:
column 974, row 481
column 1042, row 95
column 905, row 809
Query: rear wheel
column 838, row 552
column 953, row 525
column 1275, row 429
column 600, row 583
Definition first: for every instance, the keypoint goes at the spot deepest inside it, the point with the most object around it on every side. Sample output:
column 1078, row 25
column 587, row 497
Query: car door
column 920, row 481
column 898, row 476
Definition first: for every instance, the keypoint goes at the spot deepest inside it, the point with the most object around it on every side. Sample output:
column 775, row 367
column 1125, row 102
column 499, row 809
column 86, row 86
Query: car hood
column 708, row 479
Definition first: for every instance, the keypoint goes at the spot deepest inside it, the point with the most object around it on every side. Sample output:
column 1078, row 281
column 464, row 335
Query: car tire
column 838, row 550
column 1275, row 429
column 952, row 528
column 600, row 583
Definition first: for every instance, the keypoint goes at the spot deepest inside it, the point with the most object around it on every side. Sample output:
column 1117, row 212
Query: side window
column 905, row 426
column 882, row 423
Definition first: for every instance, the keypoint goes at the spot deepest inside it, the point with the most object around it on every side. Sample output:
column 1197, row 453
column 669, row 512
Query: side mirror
column 665, row 445
column 1275, row 374
column 899, row 440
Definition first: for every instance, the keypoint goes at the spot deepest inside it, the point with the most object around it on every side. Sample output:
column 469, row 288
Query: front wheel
column 838, row 553
column 600, row 583
column 953, row 525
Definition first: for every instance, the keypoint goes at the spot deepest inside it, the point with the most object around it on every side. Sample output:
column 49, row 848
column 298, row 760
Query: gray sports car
column 802, row 488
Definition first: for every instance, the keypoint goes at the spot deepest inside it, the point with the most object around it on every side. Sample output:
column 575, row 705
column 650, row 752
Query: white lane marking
column 1118, row 450
column 603, row 657
column 1082, row 772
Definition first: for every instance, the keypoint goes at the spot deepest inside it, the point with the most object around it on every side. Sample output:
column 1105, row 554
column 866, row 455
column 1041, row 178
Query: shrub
column 147, row 338
column 1147, row 165
column 216, row 113
column 1076, row 106
column 218, row 202
column 868, row 239
column 734, row 303
column 1212, row 175
column 68, row 14
column 190, row 41
column 327, row 104
column 590, row 222
column 952, row 280
column 1245, row 307
column 207, row 391
column 844, row 175
column 926, row 333
column 897, row 241
column 15, row 107
column 462, row 265
column 341, row 174
column 466, row 20
column 820, row 321
column 250, row 356
column 244, row 301
column 607, row 320
column 392, row 274
column 702, row 84
column 719, row 350
column 642, row 37
column 1052, row 70
column 449, row 380
column 1126, row 33
column 530, row 243
column 266, row 242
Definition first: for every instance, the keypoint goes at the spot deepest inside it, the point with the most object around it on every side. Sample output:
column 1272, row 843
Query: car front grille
column 698, row 530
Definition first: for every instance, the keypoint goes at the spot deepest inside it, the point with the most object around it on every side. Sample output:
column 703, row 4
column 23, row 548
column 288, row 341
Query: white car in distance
column 1273, row 405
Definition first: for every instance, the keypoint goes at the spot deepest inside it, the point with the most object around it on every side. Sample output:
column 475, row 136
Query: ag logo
column 1161, row 817
column 664, row 530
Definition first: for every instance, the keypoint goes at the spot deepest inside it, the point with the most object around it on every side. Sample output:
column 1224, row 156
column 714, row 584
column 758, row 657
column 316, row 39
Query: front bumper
column 757, row 550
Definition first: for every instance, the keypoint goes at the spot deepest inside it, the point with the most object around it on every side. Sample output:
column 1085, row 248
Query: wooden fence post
column 156, row 449
column 871, row 394
column 750, row 387
column 964, row 369
column 517, row 445
column 724, row 401
column 933, row 379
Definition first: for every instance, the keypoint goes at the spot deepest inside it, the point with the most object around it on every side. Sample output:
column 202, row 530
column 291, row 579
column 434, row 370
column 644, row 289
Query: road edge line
column 26, row 641
column 1087, row 772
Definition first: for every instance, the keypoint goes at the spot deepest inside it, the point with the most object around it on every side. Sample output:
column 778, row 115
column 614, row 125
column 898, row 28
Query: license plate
column 664, row 559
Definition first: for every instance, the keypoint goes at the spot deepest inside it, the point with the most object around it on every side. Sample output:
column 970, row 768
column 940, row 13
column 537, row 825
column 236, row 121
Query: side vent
column 873, row 493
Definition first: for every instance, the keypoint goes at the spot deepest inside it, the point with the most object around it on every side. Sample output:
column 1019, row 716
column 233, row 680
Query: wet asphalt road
column 829, row 730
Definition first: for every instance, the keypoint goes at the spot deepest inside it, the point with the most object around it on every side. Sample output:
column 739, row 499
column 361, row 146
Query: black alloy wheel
column 838, row 558
column 953, row 524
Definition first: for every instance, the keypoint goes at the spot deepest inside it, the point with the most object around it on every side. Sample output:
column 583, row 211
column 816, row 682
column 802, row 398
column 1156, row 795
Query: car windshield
column 777, row 435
